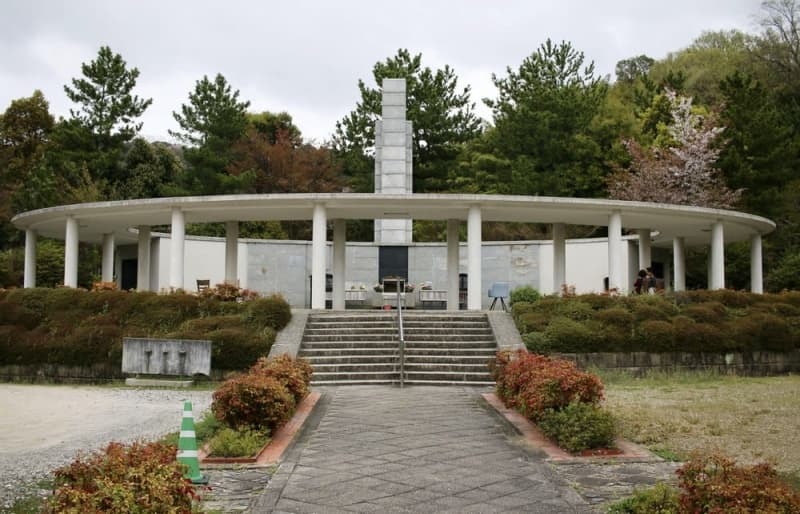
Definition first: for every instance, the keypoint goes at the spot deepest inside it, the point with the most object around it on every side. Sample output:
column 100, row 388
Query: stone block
column 395, row 139
column 394, row 99
column 393, row 167
column 396, row 112
column 166, row 356
column 393, row 153
column 394, row 184
column 393, row 125
column 394, row 86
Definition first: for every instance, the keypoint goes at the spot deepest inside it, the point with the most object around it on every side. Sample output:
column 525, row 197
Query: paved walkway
column 418, row 449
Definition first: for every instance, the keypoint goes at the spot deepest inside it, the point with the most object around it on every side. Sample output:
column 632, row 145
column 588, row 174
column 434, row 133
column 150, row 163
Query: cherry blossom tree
column 682, row 170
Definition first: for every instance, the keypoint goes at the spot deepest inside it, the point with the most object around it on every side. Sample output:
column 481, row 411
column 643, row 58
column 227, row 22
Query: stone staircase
column 445, row 348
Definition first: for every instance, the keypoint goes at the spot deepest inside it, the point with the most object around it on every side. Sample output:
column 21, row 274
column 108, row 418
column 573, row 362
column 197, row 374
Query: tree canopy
column 442, row 117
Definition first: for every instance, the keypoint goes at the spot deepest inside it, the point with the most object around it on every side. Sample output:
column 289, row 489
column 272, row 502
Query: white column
column 679, row 263
column 559, row 257
column 29, row 278
column 231, row 252
column 143, row 259
column 107, row 274
column 339, row 255
column 615, row 251
column 71, row 253
column 452, row 264
column 645, row 258
column 318, row 240
column 474, row 240
column 717, row 278
column 756, row 267
column 177, row 245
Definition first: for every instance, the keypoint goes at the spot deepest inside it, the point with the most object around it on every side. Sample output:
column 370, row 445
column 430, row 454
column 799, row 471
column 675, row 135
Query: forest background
column 714, row 124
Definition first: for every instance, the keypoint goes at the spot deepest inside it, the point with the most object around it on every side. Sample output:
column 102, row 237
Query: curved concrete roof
column 119, row 217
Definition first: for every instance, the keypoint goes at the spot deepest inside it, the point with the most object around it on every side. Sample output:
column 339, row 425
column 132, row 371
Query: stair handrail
column 402, row 341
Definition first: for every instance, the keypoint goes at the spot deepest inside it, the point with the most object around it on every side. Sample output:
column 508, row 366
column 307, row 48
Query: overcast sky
column 306, row 56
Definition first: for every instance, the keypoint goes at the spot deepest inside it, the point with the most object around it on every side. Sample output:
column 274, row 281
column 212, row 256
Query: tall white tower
column 393, row 169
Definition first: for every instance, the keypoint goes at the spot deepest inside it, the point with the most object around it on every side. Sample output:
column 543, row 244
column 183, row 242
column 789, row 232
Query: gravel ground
column 44, row 427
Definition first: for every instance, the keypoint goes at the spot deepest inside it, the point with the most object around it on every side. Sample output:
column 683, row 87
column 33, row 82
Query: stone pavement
column 418, row 449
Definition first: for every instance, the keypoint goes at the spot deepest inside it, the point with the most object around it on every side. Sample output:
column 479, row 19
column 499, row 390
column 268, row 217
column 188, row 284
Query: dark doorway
column 130, row 271
column 392, row 262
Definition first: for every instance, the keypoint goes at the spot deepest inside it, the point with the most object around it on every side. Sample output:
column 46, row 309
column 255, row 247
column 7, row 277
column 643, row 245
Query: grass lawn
column 750, row 419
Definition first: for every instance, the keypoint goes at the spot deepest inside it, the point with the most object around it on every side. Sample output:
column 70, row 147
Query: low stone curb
column 533, row 435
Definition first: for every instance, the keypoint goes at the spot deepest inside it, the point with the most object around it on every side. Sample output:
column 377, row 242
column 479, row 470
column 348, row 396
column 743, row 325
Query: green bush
column 646, row 312
column 522, row 308
column 615, row 317
column 253, row 400
column 532, row 321
column 138, row 478
column 526, row 294
column 89, row 343
column 12, row 313
column 698, row 337
column 761, row 331
column 659, row 499
column 579, row 426
column 211, row 323
column 243, row 442
column 656, row 336
column 598, row 301
column 786, row 310
column 537, row 342
column 272, row 311
column 238, row 348
column 575, row 310
column 707, row 312
column 569, row 336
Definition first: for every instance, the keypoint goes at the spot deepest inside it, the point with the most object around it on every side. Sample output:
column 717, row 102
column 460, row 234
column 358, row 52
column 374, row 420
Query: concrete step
column 382, row 367
column 449, row 375
column 336, row 325
column 438, row 368
column 437, row 343
column 336, row 351
column 477, row 383
column 355, row 330
column 356, row 375
column 338, row 336
column 316, row 360
column 448, row 359
column 320, row 383
column 357, row 343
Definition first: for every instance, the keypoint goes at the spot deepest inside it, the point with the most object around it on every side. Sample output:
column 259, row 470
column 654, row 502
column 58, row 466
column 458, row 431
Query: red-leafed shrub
column 295, row 374
column 534, row 383
column 135, row 478
column 713, row 483
column 253, row 400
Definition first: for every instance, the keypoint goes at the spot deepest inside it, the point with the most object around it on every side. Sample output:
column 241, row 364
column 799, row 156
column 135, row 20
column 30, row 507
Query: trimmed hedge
column 76, row 327
column 694, row 321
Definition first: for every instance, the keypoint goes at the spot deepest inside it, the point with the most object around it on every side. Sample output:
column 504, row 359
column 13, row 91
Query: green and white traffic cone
column 187, row 447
